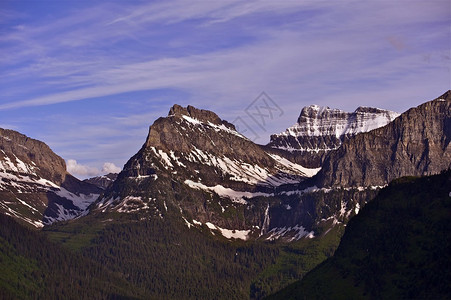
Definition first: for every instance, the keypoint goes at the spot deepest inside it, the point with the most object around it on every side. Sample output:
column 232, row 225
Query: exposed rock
column 198, row 166
column 320, row 130
column 29, row 150
column 416, row 143
column 35, row 187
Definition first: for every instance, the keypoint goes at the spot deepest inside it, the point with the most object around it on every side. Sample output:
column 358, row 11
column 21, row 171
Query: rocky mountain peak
column 30, row 151
column 320, row 129
column 186, row 129
column 198, row 167
column 201, row 115
column 416, row 143
column 35, row 187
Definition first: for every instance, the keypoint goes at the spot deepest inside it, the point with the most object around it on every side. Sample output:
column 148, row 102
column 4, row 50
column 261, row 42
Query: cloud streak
column 107, row 71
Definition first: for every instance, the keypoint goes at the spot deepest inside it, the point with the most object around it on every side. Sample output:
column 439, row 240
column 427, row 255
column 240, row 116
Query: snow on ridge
column 12, row 213
column 21, row 178
column 293, row 166
column 244, row 172
column 235, row 196
column 191, row 120
column 335, row 122
column 215, row 127
column 18, row 166
column 81, row 201
column 295, row 233
column 164, row 157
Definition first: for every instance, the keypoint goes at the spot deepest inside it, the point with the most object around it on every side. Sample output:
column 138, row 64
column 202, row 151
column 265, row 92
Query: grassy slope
column 399, row 246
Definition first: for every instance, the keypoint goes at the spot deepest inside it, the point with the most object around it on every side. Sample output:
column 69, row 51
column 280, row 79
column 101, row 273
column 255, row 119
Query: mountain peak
column 446, row 96
column 201, row 115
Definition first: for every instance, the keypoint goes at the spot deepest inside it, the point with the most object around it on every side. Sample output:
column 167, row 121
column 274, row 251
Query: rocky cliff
column 197, row 166
column 35, row 187
column 416, row 143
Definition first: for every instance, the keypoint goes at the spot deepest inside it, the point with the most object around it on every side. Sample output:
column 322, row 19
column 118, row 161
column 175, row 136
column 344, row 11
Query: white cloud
column 109, row 167
column 80, row 170
column 84, row 171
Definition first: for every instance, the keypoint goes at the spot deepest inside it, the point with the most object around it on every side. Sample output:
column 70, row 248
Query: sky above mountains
column 89, row 77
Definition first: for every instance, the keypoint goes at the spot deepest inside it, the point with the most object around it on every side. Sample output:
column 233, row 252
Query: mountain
column 398, row 247
column 320, row 130
column 199, row 167
column 202, row 212
column 35, row 187
column 416, row 143
column 103, row 181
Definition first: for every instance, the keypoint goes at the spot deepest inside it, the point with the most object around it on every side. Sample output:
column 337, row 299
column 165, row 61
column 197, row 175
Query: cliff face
column 416, row 143
column 320, row 130
column 30, row 151
column 35, row 187
column 198, row 167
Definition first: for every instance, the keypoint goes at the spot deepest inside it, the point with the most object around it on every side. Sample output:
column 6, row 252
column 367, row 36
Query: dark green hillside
column 163, row 258
column 34, row 268
column 166, row 259
column 398, row 247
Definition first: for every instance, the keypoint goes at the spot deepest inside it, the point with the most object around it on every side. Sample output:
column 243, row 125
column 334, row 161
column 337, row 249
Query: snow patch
column 295, row 167
column 235, row 196
column 81, row 201
column 357, row 208
column 293, row 233
column 230, row 233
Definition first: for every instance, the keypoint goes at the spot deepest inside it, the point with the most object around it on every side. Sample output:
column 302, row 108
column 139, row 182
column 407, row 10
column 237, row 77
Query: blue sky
column 89, row 77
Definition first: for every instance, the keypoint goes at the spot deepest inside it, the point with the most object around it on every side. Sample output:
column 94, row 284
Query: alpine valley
column 202, row 212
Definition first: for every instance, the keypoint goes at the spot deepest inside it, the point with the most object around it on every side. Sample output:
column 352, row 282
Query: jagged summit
column 187, row 127
column 201, row 115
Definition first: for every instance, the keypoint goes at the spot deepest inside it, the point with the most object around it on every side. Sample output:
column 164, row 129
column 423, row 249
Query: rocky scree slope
column 320, row 130
column 35, row 187
column 196, row 166
column 416, row 143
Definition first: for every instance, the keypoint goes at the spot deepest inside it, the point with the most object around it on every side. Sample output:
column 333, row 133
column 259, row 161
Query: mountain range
column 197, row 176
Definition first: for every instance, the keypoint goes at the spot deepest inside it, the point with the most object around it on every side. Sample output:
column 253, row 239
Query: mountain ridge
column 35, row 187
column 415, row 143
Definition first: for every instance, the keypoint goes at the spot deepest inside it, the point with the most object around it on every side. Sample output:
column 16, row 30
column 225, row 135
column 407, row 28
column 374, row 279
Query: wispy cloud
column 218, row 55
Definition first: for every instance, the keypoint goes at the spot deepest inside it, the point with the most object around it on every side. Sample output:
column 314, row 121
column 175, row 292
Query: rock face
column 103, row 181
column 197, row 166
column 320, row 130
column 35, row 187
column 416, row 143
